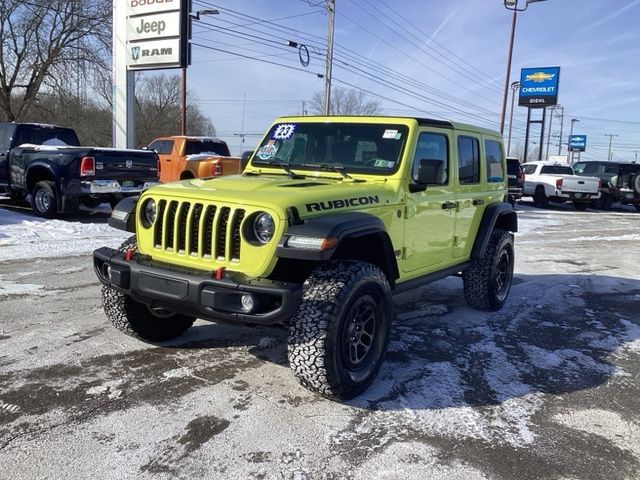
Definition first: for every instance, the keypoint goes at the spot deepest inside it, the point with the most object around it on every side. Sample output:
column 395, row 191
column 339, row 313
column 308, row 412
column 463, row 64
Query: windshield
column 194, row 147
column 359, row 148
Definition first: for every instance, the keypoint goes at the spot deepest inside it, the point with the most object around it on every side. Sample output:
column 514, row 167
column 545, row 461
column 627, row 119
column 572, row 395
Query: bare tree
column 158, row 109
column 40, row 40
column 346, row 102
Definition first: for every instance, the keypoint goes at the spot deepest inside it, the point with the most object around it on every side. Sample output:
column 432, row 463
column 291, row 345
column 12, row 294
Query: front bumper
column 108, row 187
column 196, row 294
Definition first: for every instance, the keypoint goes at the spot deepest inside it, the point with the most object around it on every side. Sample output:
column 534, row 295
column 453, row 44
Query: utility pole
column 331, row 7
column 610, row 135
column 551, row 110
column 636, row 160
column 304, row 110
column 561, row 125
column 515, row 86
column 569, row 152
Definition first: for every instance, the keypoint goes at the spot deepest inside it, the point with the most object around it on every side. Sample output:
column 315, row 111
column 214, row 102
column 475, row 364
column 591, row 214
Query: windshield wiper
column 341, row 169
column 285, row 166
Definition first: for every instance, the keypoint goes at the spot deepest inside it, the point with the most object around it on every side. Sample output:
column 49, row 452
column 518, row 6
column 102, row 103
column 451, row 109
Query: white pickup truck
column 553, row 182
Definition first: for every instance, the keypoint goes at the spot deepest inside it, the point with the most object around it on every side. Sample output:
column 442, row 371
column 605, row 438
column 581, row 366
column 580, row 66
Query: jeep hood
column 311, row 195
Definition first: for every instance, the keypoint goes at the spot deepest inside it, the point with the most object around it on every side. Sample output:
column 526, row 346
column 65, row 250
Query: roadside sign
column 157, row 34
column 539, row 87
column 577, row 143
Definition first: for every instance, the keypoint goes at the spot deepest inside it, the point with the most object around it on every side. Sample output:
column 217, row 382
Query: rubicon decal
column 342, row 203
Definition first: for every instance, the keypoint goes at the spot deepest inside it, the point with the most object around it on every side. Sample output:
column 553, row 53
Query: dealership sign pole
column 538, row 90
column 147, row 35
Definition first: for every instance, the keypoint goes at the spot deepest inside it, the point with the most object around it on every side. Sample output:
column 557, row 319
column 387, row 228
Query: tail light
column 216, row 169
column 159, row 166
column 87, row 166
column 559, row 184
column 520, row 175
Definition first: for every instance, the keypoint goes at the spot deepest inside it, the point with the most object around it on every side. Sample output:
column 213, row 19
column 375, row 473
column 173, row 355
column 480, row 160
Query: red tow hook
column 218, row 273
column 129, row 254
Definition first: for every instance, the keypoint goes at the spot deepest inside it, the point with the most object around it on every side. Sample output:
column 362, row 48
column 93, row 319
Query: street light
column 183, row 86
column 515, row 86
column 511, row 5
column 569, row 151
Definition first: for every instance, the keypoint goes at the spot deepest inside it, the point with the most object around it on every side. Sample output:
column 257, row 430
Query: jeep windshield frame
column 341, row 147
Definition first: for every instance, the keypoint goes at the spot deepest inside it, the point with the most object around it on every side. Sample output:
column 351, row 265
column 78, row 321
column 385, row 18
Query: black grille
column 199, row 230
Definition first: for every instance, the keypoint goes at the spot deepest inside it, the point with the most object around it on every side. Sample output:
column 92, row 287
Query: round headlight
column 149, row 212
column 264, row 227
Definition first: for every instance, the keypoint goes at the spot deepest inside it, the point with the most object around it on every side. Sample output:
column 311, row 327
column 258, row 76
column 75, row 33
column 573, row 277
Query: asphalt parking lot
column 547, row 388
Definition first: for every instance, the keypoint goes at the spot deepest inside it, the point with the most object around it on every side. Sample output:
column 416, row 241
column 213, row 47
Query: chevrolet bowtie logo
column 539, row 77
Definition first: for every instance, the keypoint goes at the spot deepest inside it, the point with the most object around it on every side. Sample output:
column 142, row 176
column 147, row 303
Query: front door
column 431, row 214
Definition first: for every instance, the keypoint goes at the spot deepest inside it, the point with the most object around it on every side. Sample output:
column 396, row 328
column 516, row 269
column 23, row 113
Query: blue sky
column 454, row 52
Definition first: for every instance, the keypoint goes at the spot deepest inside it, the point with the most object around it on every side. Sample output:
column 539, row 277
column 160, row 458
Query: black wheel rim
column 504, row 274
column 359, row 333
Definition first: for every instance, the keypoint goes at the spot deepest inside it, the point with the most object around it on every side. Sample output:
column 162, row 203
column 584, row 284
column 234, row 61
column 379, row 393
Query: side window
column 434, row 147
column 529, row 169
column 5, row 137
column 162, row 147
column 495, row 169
column 468, row 160
column 611, row 169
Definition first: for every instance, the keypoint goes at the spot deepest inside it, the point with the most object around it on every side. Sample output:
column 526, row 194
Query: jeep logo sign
column 156, row 26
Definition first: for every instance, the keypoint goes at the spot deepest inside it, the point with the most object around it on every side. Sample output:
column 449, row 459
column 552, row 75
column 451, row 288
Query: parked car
column 48, row 163
column 515, row 177
column 184, row 157
column 553, row 182
column 619, row 182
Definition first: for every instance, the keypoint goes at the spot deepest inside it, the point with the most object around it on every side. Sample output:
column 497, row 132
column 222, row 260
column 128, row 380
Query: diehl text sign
column 539, row 87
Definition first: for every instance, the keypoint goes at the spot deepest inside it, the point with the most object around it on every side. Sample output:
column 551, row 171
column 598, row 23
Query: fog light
column 107, row 271
column 247, row 302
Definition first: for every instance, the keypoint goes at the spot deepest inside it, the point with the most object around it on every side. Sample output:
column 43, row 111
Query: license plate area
column 164, row 287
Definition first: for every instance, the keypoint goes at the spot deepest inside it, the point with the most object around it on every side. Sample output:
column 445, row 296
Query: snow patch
column 110, row 387
column 12, row 288
column 181, row 372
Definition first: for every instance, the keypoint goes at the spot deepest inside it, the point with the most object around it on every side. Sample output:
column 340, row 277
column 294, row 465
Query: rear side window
column 162, row 147
column 493, row 158
column 529, row 169
column 556, row 170
column 468, row 160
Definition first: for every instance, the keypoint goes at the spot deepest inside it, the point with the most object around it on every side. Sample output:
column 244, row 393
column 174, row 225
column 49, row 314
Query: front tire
column 488, row 281
column 44, row 199
column 137, row 319
column 339, row 336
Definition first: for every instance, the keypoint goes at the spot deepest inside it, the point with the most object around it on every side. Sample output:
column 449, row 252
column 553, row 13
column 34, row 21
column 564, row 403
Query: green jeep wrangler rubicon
column 331, row 216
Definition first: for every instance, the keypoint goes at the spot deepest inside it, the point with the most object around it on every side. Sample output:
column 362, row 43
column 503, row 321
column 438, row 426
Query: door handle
column 478, row 201
column 448, row 205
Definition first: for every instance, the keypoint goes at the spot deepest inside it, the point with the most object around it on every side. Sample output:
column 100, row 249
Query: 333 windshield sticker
column 270, row 150
column 284, row 131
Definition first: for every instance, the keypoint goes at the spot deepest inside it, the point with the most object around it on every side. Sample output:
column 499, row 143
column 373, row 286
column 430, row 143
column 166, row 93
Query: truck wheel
column 339, row 336
column 137, row 319
column 580, row 206
column 540, row 199
column 488, row 281
column 44, row 200
column 634, row 182
column 637, row 205
column 603, row 202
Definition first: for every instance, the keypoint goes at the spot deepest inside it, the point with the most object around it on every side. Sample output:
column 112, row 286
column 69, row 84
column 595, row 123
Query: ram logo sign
column 539, row 87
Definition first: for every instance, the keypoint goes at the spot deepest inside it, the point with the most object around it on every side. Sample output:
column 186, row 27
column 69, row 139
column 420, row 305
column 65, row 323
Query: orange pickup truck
column 183, row 157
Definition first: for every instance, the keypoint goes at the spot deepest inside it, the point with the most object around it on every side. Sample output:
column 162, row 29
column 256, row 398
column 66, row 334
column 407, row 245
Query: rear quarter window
column 529, row 169
column 493, row 159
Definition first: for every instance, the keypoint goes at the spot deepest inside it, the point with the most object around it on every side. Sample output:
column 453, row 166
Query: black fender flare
column 123, row 216
column 341, row 227
column 500, row 215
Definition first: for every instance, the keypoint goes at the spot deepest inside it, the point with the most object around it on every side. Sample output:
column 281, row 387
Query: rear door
column 471, row 197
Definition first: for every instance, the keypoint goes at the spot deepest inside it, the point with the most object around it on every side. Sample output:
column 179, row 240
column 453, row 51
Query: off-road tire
column 338, row 297
column 637, row 205
column 603, row 202
column 138, row 320
column 540, row 199
column 634, row 182
column 580, row 206
column 488, row 281
column 44, row 199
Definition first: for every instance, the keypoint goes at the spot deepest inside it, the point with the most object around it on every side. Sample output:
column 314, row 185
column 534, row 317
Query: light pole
column 569, row 151
column 515, row 86
column 511, row 5
column 183, row 83
column 552, row 110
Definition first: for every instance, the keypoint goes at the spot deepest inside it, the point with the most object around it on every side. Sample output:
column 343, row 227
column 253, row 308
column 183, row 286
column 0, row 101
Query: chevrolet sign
column 539, row 87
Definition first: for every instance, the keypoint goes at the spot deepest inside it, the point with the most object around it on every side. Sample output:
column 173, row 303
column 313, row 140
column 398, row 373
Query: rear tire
column 137, row 319
column 339, row 336
column 44, row 199
column 540, row 199
column 488, row 281
column 580, row 206
column 603, row 202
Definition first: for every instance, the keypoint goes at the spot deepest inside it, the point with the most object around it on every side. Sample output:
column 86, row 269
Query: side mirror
column 146, row 147
column 246, row 156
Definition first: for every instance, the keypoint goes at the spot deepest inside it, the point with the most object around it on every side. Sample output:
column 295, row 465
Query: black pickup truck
column 48, row 163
